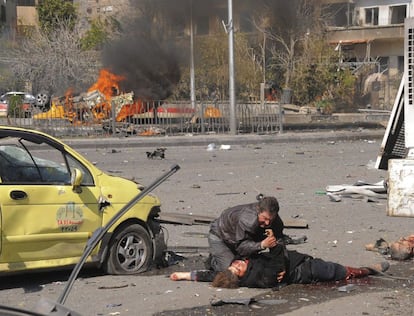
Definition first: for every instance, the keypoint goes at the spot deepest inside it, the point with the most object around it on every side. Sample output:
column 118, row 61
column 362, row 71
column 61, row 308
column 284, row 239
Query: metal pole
column 232, row 98
column 192, row 76
column 99, row 233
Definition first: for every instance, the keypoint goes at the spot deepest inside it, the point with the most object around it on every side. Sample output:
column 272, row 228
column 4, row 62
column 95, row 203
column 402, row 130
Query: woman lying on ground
column 279, row 265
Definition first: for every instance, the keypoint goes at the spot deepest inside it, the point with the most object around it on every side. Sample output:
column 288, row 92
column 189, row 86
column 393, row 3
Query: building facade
column 363, row 32
column 371, row 32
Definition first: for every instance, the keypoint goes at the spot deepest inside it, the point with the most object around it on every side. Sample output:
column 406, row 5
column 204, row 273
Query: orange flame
column 107, row 83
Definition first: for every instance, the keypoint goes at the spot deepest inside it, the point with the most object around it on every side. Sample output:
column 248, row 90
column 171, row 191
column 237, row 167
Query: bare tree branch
column 55, row 62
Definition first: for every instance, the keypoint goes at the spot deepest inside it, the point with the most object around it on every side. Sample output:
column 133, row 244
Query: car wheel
column 130, row 251
column 42, row 100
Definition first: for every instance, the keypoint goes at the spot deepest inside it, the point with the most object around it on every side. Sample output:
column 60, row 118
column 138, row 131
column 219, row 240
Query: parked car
column 52, row 199
column 27, row 102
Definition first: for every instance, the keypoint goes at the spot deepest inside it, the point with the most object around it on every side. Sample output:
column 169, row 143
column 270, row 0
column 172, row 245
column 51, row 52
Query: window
column 371, row 16
column 338, row 14
column 25, row 162
column 87, row 177
column 18, row 165
column 398, row 14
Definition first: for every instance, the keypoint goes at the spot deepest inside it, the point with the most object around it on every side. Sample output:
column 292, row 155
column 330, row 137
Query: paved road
column 295, row 170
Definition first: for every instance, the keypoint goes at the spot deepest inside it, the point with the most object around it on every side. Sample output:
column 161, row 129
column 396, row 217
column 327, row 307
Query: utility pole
column 192, row 75
column 232, row 98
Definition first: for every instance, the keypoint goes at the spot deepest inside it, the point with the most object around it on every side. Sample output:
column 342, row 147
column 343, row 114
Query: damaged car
column 53, row 200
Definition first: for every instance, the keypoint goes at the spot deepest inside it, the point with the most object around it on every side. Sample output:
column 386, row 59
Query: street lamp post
column 192, row 75
column 232, row 100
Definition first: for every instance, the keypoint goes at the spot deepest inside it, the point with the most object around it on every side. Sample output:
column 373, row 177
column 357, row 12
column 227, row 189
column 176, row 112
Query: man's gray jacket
column 239, row 228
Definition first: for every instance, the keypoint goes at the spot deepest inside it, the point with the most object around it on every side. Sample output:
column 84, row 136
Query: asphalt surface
column 294, row 166
column 219, row 139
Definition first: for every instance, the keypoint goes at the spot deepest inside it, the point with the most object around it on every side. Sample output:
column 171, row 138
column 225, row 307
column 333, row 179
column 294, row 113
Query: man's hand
column 269, row 242
column 280, row 276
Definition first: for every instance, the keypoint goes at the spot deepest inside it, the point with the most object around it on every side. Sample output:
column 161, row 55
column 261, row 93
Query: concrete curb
column 204, row 140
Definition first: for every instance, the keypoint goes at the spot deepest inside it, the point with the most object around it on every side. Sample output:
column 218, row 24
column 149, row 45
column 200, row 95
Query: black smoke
column 149, row 63
column 146, row 53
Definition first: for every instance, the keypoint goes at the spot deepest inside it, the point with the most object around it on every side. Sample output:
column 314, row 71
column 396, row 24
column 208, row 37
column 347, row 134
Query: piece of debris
column 195, row 234
column 372, row 191
column 211, row 147
column 113, row 305
column 347, row 288
column 225, row 147
column 159, row 152
column 334, row 197
column 380, row 246
column 294, row 241
column 112, row 287
column 238, row 301
column 194, row 219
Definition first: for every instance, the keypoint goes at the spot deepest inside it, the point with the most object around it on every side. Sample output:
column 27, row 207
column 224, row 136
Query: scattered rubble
column 371, row 191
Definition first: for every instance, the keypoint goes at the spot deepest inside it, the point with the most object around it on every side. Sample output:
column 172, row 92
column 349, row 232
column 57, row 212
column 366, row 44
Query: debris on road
column 371, row 191
column 159, row 152
column 347, row 288
column 192, row 219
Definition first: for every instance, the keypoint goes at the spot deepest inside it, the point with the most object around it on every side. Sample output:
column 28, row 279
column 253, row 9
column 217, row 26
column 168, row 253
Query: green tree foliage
column 96, row 36
column 15, row 106
column 212, row 70
column 320, row 81
column 52, row 12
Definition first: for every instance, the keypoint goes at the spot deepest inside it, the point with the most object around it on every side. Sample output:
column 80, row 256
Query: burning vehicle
column 104, row 101
column 101, row 102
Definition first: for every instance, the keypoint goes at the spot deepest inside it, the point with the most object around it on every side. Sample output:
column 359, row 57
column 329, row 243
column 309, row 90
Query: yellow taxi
column 52, row 200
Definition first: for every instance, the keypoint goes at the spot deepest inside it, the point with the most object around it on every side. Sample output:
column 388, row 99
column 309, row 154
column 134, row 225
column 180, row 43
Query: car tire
column 130, row 251
column 42, row 100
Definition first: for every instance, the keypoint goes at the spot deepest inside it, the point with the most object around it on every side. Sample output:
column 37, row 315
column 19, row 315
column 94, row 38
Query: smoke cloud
column 144, row 55
column 149, row 64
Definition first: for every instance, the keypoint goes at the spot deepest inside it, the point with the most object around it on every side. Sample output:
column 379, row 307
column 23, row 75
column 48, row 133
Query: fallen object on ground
column 371, row 191
column 402, row 249
column 159, row 152
column 192, row 219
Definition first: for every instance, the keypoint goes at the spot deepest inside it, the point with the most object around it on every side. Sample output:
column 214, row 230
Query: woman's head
column 230, row 278
column 226, row 279
column 238, row 267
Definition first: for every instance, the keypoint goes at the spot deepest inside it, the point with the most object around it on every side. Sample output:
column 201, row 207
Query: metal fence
column 153, row 118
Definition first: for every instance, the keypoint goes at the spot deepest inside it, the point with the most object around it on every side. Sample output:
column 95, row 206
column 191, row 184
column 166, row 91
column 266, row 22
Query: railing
column 152, row 119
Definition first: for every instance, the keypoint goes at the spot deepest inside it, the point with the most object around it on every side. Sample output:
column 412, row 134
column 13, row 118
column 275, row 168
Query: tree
column 286, row 26
column 54, row 61
column 52, row 12
column 96, row 36
column 212, row 70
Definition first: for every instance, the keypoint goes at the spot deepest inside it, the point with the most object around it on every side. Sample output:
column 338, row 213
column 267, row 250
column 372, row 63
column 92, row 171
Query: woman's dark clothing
column 263, row 269
column 236, row 232
column 305, row 269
